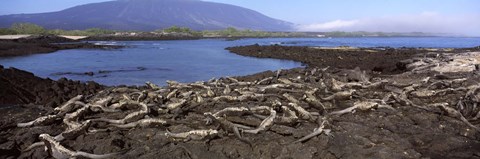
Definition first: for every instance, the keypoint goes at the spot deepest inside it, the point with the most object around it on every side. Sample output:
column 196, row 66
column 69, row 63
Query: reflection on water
column 156, row 61
column 190, row 60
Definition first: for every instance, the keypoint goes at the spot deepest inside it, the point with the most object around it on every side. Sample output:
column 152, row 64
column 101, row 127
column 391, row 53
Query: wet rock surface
column 103, row 72
column 313, row 112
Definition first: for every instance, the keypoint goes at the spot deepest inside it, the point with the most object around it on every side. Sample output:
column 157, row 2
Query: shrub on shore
column 86, row 32
column 7, row 31
column 28, row 28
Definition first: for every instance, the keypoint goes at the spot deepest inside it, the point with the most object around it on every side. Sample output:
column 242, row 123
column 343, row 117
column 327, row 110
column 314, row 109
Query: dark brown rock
column 21, row 87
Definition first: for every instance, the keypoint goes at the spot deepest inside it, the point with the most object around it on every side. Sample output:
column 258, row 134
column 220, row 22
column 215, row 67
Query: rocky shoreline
column 347, row 103
column 141, row 37
column 20, row 87
column 380, row 60
column 44, row 44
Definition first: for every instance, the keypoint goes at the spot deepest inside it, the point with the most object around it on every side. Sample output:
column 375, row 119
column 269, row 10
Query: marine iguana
column 290, row 119
column 193, row 135
column 134, row 116
column 456, row 114
column 316, row 131
column 58, row 151
column 265, row 80
column 361, row 105
column 142, row 123
column 310, row 98
column 340, row 95
column 44, row 120
column 288, row 82
column 265, row 124
column 68, row 106
column 302, row 113
column 228, row 126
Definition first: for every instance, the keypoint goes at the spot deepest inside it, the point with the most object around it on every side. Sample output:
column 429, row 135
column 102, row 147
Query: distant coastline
column 43, row 44
column 184, row 33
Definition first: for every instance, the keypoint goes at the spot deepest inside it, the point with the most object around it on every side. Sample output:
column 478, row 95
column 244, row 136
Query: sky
column 436, row 16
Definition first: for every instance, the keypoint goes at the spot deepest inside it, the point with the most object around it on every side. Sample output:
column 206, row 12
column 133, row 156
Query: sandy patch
column 73, row 37
column 10, row 37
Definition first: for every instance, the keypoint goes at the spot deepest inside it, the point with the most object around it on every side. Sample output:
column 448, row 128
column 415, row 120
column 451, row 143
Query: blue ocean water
column 191, row 60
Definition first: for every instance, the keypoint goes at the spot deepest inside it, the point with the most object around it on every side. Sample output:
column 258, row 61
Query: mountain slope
column 151, row 15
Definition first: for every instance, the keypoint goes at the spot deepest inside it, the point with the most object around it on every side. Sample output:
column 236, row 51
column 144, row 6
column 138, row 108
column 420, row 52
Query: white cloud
column 337, row 24
column 430, row 22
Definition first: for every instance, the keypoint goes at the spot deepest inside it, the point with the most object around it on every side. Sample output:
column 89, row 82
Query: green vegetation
column 175, row 31
column 87, row 32
column 28, row 28
column 232, row 32
column 179, row 30
column 228, row 32
column 7, row 31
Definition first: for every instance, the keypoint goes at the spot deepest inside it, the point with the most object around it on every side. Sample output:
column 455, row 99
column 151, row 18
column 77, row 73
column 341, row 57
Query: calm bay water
column 190, row 60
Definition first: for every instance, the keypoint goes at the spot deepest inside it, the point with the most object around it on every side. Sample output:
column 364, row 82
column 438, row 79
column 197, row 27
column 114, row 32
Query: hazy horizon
column 458, row 17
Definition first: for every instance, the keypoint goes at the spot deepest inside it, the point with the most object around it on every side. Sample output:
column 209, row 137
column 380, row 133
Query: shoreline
column 377, row 59
column 43, row 44
column 411, row 122
column 22, row 88
column 38, row 44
